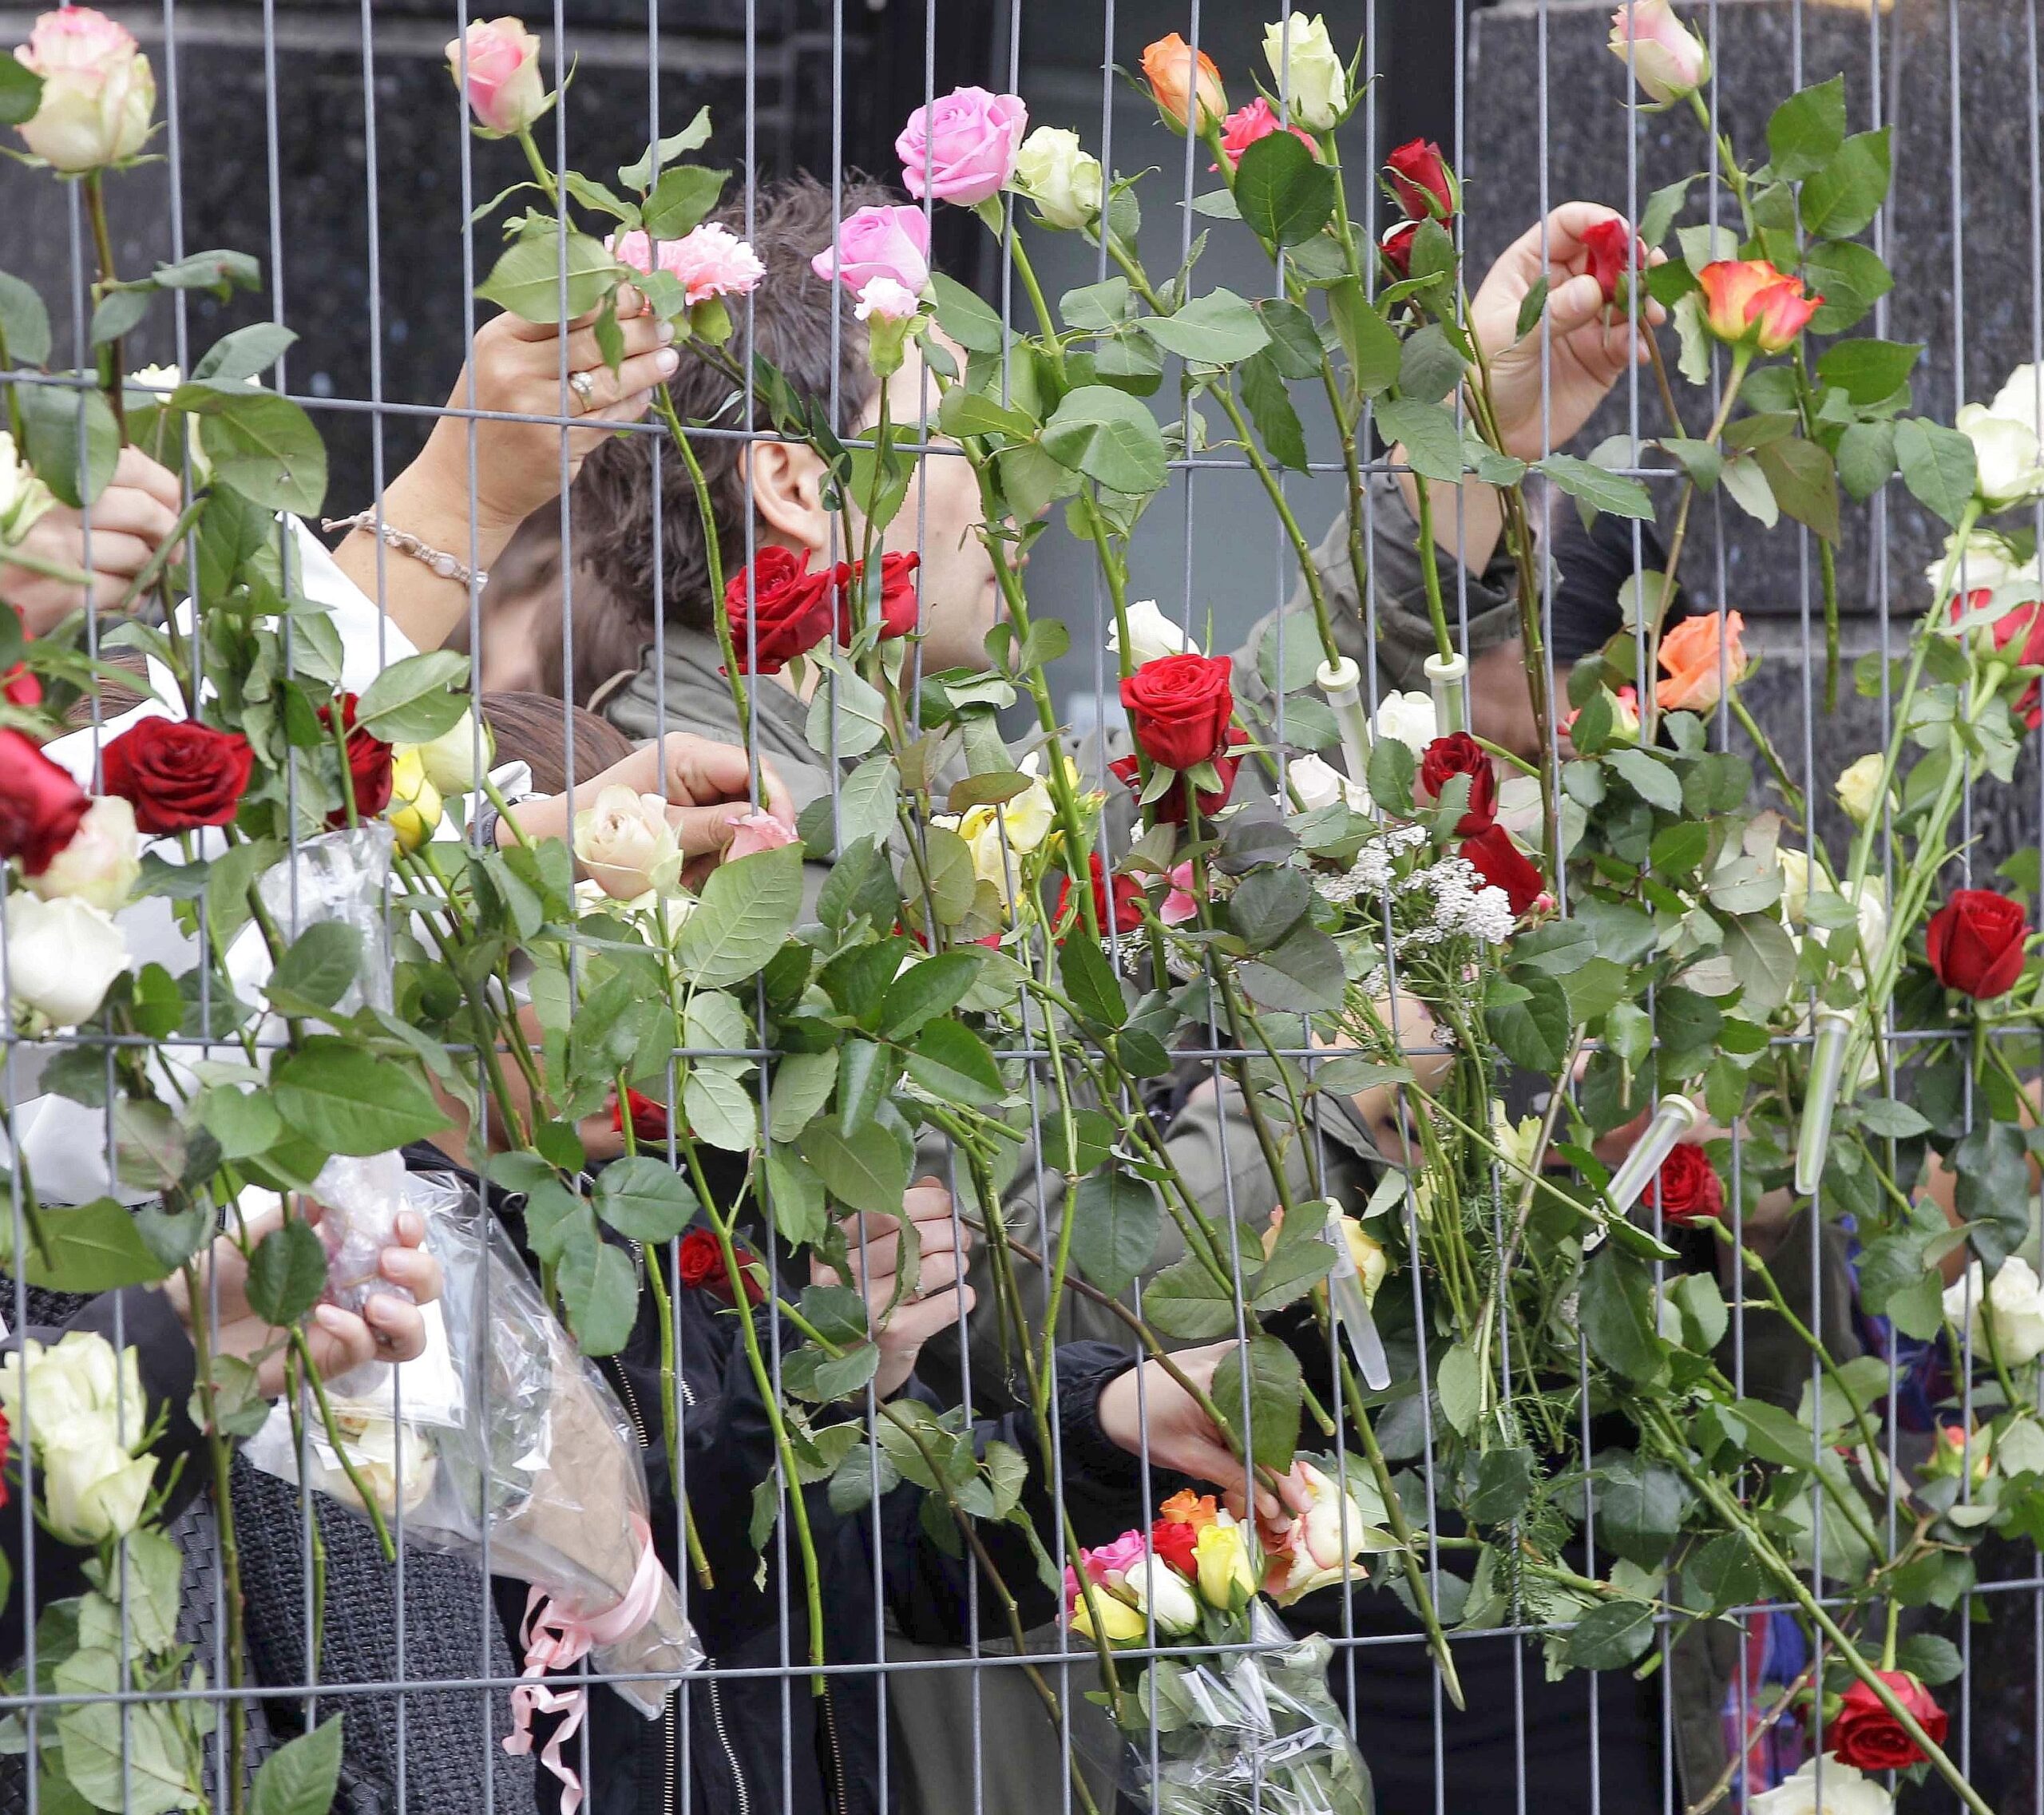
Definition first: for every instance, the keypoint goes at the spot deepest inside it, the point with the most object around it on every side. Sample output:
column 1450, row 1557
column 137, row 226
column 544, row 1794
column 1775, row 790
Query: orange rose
column 1174, row 78
column 1185, row 1508
column 1747, row 301
column 1691, row 653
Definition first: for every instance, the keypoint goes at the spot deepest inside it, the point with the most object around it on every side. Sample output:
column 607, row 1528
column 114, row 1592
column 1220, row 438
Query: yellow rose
column 452, row 764
column 414, row 808
column 1858, row 788
column 1221, row 1553
column 1119, row 1622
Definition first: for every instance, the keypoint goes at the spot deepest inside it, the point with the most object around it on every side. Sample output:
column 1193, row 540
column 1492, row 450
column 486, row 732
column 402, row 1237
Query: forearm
column 424, row 605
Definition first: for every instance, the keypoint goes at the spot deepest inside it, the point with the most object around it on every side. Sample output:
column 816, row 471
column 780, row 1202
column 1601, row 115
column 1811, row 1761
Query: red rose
column 1686, row 1190
column 1866, row 1735
column 649, row 1117
column 2024, row 628
column 1396, row 249
column 368, row 765
column 19, row 687
column 177, row 775
column 701, row 1263
column 1126, row 915
column 791, row 609
column 39, row 805
column 1975, row 943
column 1503, row 864
column 1168, row 809
column 1175, row 1543
column 897, row 596
column 1459, row 753
column 1421, row 181
column 1180, row 706
column 1611, row 244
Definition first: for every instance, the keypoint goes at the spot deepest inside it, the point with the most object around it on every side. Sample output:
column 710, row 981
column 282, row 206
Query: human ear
column 787, row 494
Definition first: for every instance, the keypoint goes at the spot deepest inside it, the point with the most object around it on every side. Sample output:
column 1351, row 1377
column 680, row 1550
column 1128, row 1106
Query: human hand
column 937, row 1298
column 389, row 1328
column 1146, row 1411
column 130, row 520
column 1590, row 343
column 515, row 366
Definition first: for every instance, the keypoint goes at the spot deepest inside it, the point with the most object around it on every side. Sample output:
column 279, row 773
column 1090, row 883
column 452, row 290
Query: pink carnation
column 886, row 301
column 962, row 146
column 709, row 261
column 752, row 833
column 878, row 242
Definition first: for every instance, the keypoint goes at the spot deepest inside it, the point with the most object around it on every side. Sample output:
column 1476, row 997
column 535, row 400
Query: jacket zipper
column 666, row 1713
column 837, row 1758
column 723, row 1738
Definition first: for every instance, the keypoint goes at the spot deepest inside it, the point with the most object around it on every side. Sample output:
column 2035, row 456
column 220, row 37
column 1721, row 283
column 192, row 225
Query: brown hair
column 792, row 315
column 533, row 729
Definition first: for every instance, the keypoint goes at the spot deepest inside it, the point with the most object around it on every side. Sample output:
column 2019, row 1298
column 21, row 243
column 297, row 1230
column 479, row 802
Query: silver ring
column 584, row 385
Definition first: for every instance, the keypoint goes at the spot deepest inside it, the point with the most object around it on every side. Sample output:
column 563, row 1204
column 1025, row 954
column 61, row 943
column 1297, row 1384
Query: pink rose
column 98, row 91
column 1667, row 58
column 878, row 242
column 752, row 833
column 962, row 146
column 505, row 88
column 709, row 261
column 1180, row 903
column 1109, row 1566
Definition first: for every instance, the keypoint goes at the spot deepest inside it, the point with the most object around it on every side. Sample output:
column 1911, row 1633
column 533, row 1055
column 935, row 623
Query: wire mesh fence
column 1516, row 1085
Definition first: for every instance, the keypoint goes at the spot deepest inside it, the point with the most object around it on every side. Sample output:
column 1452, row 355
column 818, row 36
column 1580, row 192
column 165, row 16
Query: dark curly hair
column 791, row 317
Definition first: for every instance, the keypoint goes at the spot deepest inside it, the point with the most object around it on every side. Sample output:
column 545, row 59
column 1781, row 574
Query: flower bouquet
column 1240, row 1718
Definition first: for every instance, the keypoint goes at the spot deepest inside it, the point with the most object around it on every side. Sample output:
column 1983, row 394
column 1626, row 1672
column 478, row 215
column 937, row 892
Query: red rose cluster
column 1975, row 943
column 1866, row 1735
column 1687, row 1189
column 649, row 1117
column 1459, row 753
column 1122, row 914
column 780, row 609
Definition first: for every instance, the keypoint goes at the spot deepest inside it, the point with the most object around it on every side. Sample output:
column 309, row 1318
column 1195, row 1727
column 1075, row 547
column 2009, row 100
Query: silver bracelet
column 441, row 562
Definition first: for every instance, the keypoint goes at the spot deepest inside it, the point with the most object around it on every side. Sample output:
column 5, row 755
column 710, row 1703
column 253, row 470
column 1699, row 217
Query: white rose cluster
column 83, row 1408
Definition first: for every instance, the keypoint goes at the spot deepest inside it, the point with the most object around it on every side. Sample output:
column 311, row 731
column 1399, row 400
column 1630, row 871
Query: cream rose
column 98, row 91
column 625, row 842
column 1858, row 787
column 1151, row 636
column 2013, row 1307
column 76, row 1377
column 92, row 1488
column 62, row 955
column 2009, row 461
column 1846, row 1792
column 1320, row 1546
column 1312, row 78
column 1061, row 178
column 100, row 864
column 23, row 496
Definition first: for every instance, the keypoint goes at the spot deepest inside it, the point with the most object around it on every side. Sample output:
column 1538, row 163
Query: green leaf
column 1390, row 776
column 21, row 95
column 681, row 199
column 965, row 412
column 1937, row 466
column 417, row 698
column 1806, row 130
column 746, row 910
column 1186, row 1302
column 1842, row 199
column 94, row 1248
column 644, row 1199
column 1109, row 436
column 265, row 447
column 526, row 281
column 1275, row 1391
column 1115, row 1219
column 218, row 270
column 1299, row 1258
column 1089, row 980
column 345, row 1099
column 50, row 423
column 24, row 321
column 720, row 1109
column 124, row 1756
column 600, row 1292
column 1096, row 308
column 1534, row 1032
column 301, row 1778
column 931, row 987
column 245, row 354
column 868, row 1170
column 1869, row 371
column 691, row 137
column 1850, row 277
column 952, row 1062
column 1773, row 1436
column 1427, row 432
column 795, row 1198
column 1662, row 208
column 1930, row 1657
column 1283, row 191
column 1640, row 1505
column 802, row 1084
column 245, row 1122
column 1267, row 904
column 1218, row 328
column 319, row 964
column 286, row 1274
column 120, row 312
column 1530, row 310
column 1609, row 492
column 1303, row 976
column 1615, row 1310
column 965, row 318
column 1611, row 1635
column 1459, row 1384
column 1270, row 408
column 1805, row 483
column 1295, row 348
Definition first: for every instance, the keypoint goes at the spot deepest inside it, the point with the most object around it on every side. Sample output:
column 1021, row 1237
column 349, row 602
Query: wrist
column 430, row 499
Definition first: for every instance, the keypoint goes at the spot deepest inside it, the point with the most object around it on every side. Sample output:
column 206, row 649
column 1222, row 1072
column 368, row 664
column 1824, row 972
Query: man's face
column 941, row 518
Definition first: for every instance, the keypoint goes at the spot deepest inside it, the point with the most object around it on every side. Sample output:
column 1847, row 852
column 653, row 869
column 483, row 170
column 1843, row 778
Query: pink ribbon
column 556, row 1641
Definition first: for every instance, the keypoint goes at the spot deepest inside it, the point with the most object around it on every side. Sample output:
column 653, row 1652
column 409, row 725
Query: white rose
column 101, row 863
column 2004, row 448
column 62, row 956
column 1871, row 911
column 1151, row 636
column 1303, row 64
column 452, row 762
column 2013, row 1305
column 92, row 1488
column 1795, row 883
column 1030, row 814
column 77, row 1378
column 2018, row 400
column 1845, row 1792
column 1408, row 717
column 1158, row 1589
column 1061, row 178
column 1318, row 1548
column 23, row 496
column 1859, row 787
column 381, row 1450
column 625, row 842
column 1316, row 784
column 1989, row 561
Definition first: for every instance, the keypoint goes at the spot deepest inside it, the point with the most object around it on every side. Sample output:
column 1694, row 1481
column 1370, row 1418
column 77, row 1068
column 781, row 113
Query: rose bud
column 1858, row 788
column 1308, row 71
column 1703, row 656
column 1748, row 303
column 1668, row 58
column 369, row 764
column 878, row 242
column 1421, row 182
column 1397, row 248
column 1151, row 636
column 1126, row 914
column 102, row 861
column 1866, row 1735
column 503, row 65
column 98, row 91
column 962, row 147
column 1177, row 77
column 1459, row 753
column 778, row 610
column 1064, row 180
column 41, row 806
column 1614, row 251
column 1168, row 808
column 414, row 805
column 177, row 774
column 1975, row 943
column 1687, row 1188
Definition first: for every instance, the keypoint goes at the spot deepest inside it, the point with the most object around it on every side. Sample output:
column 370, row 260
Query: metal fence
column 339, row 125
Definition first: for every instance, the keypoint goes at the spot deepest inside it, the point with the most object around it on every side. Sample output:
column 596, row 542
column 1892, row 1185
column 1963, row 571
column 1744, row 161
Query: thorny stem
column 221, row 1452
column 110, row 364
column 720, row 617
